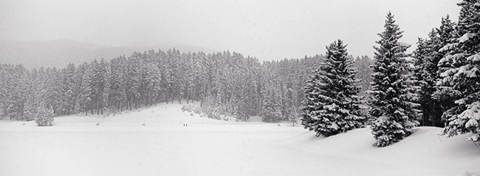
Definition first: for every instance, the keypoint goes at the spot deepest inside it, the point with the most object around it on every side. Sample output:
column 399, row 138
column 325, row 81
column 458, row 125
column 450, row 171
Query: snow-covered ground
column 155, row 141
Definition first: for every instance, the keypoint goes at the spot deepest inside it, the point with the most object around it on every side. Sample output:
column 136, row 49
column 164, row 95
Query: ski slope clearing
column 163, row 140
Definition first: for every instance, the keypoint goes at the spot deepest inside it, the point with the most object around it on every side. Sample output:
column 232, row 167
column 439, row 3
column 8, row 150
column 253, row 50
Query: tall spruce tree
column 426, row 73
column 460, row 74
column 425, row 77
column 331, row 104
column 390, row 102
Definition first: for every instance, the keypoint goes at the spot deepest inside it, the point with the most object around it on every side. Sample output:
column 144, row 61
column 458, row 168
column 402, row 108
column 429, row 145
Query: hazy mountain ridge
column 59, row 53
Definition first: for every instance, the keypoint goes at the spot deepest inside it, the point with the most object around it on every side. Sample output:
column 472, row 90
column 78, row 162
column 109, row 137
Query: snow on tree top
column 474, row 58
column 466, row 37
column 403, row 44
column 448, row 47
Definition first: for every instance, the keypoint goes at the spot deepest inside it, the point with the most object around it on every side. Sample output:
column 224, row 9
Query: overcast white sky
column 268, row 29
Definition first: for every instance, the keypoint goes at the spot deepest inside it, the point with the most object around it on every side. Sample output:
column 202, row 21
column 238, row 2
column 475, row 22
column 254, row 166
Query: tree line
column 227, row 82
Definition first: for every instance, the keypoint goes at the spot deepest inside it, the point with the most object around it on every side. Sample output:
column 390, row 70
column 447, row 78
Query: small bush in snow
column 270, row 114
column 44, row 116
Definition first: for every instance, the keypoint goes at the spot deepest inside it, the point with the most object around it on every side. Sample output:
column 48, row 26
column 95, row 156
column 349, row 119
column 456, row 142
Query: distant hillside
column 58, row 53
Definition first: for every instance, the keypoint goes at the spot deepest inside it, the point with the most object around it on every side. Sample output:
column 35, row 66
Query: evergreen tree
column 391, row 104
column 117, row 94
column 104, row 85
column 133, row 81
column 364, row 73
column 44, row 116
column 460, row 74
column 426, row 73
column 86, row 91
column 424, row 80
column 444, row 94
column 34, row 95
column 270, row 108
column 68, row 87
column 332, row 105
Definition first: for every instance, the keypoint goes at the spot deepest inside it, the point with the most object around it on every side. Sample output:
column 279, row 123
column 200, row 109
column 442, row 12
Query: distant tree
column 117, row 96
column 68, row 87
column 364, row 73
column 12, row 111
column 34, row 95
column 133, row 81
column 14, row 82
column 270, row 108
column 391, row 100
column 53, row 95
column 85, row 96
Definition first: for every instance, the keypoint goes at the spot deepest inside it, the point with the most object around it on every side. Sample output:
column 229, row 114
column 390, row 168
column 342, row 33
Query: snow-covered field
column 155, row 141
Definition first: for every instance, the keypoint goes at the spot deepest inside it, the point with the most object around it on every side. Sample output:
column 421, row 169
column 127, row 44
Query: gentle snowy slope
column 423, row 153
column 121, row 145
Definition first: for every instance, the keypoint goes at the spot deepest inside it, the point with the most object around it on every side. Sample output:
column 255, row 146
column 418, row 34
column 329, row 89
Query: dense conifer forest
column 227, row 82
